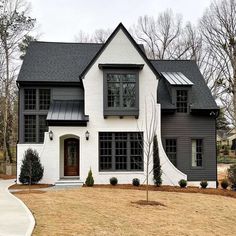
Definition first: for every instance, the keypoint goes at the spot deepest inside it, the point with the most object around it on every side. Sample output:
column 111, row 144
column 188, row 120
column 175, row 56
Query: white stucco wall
column 120, row 50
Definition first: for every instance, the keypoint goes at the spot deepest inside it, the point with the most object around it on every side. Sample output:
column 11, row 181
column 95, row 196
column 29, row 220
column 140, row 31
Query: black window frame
column 121, row 110
column 116, row 147
column 182, row 105
column 169, row 150
column 199, row 153
column 38, row 113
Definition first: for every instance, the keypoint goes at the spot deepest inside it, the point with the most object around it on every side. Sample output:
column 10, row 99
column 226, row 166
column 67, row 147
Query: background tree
column 24, row 44
column 218, row 28
column 14, row 25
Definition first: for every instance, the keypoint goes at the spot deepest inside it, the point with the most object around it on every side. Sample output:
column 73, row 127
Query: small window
column 120, row 151
column 182, row 101
column 44, row 99
column 197, row 152
column 42, row 127
column 30, row 128
column 30, row 99
column 171, row 150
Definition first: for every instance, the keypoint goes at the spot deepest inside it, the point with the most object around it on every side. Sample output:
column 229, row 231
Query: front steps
column 69, row 182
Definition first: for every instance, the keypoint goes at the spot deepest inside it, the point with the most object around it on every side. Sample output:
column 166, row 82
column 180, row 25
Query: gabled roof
column 56, row 62
column 201, row 95
column 138, row 48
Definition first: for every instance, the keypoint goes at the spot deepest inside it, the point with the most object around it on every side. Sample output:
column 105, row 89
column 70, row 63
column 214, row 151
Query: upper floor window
column 197, row 152
column 44, row 99
column 121, row 93
column 182, row 101
column 30, row 99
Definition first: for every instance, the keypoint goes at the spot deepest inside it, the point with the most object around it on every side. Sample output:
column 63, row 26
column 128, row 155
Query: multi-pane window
column 36, row 104
column 120, row 151
column 171, row 150
column 30, row 128
column 44, row 99
column 42, row 127
column 197, row 152
column 182, row 101
column 121, row 90
column 30, row 99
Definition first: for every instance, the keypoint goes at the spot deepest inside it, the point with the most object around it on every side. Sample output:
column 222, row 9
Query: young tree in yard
column 156, row 163
column 31, row 169
column 150, row 127
column 218, row 27
column 14, row 25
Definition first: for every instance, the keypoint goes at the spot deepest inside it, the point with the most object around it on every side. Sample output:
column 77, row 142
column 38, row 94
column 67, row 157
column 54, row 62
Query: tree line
column 211, row 43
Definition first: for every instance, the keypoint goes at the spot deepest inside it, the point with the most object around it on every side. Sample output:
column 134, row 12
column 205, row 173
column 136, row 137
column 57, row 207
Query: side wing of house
column 188, row 120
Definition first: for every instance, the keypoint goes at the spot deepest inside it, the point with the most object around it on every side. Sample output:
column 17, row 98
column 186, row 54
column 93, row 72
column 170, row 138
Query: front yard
column 104, row 211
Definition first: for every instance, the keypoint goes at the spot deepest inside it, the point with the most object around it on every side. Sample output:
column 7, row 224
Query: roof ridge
column 51, row 42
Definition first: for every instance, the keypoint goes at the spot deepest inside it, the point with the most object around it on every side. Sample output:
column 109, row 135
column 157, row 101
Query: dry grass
column 33, row 186
column 104, row 211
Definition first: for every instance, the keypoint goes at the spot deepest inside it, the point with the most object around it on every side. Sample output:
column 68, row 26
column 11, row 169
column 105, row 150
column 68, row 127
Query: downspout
column 18, row 133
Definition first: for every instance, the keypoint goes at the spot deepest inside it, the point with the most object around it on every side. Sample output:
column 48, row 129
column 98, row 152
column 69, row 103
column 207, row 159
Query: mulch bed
column 33, row 186
column 210, row 191
column 3, row 176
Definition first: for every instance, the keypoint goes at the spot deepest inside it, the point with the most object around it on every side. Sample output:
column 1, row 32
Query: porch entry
column 71, row 157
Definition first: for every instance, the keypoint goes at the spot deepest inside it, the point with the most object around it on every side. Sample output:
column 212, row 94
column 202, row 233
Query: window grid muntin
column 30, row 128
column 124, row 85
column 36, row 112
column 182, row 101
column 44, row 99
column 30, row 99
column 197, row 159
column 121, row 155
column 171, row 150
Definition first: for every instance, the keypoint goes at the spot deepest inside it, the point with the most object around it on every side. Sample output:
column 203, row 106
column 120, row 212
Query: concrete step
column 69, row 182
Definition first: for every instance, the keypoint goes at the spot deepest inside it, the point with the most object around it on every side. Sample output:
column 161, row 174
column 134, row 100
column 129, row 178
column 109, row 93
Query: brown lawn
column 104, row 211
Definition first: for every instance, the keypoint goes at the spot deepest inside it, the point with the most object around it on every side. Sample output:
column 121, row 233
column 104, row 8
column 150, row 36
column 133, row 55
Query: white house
column 85, row 105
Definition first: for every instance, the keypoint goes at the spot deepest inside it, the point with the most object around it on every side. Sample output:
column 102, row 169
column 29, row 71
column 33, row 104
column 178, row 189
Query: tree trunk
column 147, row 197
column 6, row 107
column 234, row 97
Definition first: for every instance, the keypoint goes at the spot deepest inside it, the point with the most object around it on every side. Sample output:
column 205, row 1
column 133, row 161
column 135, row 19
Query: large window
column 36, row 104
column 120, row 151
column 197, row 152
column 182, row 101
column 171, row 150
column 121, row 93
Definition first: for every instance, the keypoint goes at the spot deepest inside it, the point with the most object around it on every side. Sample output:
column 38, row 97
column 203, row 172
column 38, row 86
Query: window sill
column 121, row 112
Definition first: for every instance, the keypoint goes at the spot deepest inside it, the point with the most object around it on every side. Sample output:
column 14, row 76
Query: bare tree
column 14, row 24
column 218, row 27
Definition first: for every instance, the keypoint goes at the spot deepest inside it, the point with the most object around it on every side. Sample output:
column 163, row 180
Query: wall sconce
column 50, row 135
column 87, row 135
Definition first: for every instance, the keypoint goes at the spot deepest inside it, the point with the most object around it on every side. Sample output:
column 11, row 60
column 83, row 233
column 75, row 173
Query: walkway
column 15, row 217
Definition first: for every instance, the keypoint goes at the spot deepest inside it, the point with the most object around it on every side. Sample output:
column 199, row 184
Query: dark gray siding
column 184, row 128
column 67, row 94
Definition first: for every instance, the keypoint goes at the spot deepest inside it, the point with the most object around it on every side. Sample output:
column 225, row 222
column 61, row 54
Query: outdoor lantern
column 50, row 135
column 87, row 135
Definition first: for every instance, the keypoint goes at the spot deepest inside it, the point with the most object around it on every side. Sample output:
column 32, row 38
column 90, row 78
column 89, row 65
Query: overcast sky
column 61, row 20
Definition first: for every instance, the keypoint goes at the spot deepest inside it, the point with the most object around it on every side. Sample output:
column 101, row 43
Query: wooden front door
column 71, row 157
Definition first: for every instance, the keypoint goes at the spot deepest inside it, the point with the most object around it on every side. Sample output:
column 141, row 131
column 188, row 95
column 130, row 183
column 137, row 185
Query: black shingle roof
column 201, row 95
column 56, row 62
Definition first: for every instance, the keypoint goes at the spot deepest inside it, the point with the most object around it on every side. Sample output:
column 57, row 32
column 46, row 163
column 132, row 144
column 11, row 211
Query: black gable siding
column 185, row 127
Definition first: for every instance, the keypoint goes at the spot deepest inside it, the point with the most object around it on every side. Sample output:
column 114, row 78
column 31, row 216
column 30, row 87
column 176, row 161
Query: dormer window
column 182, row 101
column 121, row 89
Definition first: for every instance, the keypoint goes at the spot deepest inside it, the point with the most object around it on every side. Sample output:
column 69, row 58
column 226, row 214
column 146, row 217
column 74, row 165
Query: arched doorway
column 71, row 157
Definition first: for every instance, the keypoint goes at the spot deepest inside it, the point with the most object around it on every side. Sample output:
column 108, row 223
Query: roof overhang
column 121, row 66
